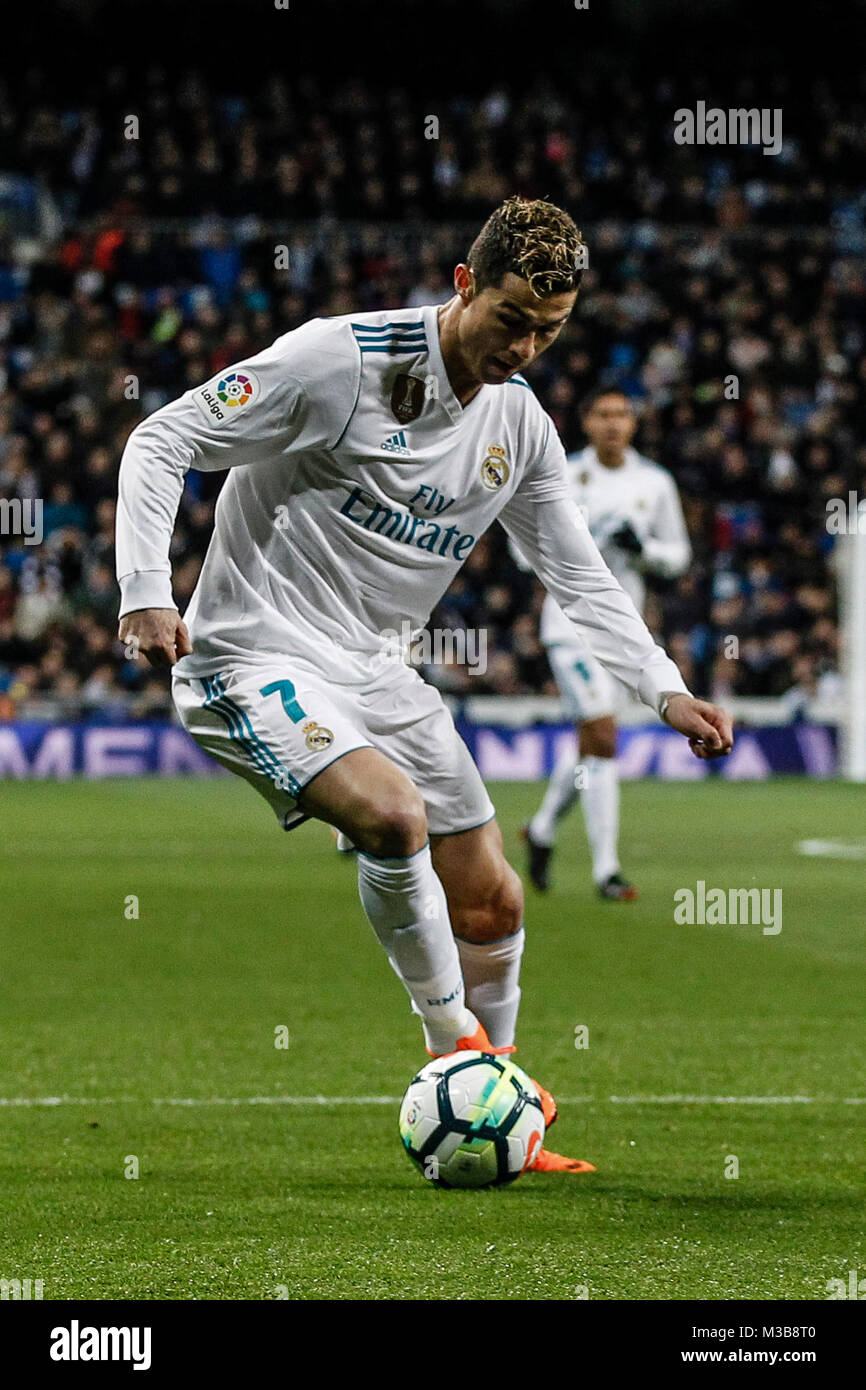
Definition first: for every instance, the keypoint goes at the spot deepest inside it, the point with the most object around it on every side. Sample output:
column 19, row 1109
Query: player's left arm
column 547, row 526
column 667, row 551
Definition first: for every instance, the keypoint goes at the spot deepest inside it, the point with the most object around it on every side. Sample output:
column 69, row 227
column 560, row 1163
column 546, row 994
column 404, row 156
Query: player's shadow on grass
column 592, row 1193
column 732, row 1196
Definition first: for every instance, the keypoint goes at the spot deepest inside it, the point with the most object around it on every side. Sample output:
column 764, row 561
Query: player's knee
column 598, row 739
column 495, row 911
column 510, row 902
column 396, row 826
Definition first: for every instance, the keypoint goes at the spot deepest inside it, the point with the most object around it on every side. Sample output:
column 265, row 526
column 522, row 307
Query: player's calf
column 598, row 738
column 485, row 900
column 485, row 895
column 490, row 911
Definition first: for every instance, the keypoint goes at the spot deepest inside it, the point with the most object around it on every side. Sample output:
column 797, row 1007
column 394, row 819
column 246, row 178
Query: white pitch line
column 285, row 1100
column 52, row 1101
column 832, row 849
column 198, row 1100
column 720, row 1100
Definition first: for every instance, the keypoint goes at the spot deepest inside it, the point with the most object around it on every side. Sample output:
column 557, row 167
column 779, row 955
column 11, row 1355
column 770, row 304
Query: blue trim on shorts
column 443, row 834
column 241, row 732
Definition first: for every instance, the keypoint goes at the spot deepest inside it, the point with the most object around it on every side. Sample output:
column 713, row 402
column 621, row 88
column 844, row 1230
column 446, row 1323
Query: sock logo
column 449, row 998
column 77, row 1343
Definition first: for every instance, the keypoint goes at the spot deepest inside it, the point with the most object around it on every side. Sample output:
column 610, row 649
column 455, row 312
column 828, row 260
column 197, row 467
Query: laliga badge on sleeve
column 223, row 397
column 407, row 398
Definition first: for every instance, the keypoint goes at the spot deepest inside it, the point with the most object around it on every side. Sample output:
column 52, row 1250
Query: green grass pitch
column 242, row 930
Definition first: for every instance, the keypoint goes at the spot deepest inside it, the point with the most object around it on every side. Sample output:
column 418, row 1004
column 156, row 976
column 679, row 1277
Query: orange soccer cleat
column 547, row 1162
column 548, row 1104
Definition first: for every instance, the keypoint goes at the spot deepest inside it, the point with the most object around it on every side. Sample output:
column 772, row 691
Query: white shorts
column 588, row 691
column 281, row 723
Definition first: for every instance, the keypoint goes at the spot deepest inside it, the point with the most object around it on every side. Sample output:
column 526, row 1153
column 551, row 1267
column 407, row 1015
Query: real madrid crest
column 317, row 736
column 495, row 469
column 407, row 398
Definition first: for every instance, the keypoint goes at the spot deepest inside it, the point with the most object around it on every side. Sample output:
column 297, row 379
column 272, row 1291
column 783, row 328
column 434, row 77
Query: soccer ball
column 471, row 1120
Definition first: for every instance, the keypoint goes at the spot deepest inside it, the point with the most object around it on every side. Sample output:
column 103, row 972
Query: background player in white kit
column 367, row 454
column 633, row 511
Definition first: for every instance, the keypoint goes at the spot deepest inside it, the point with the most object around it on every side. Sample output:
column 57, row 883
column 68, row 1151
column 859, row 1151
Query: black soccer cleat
column 539, row 861
column 617, row 890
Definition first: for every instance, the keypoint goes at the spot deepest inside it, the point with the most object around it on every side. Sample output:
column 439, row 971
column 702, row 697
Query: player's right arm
column 298, row 394
column 548, row 528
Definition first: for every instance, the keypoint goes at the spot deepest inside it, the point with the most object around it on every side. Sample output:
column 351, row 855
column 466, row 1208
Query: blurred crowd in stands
column 726, row 294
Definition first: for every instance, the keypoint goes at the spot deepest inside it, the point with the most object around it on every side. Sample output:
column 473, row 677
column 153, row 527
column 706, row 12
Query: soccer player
column 368, row 452
column 633, row 511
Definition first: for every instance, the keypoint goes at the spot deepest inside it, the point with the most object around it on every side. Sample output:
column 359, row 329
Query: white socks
column 491, row 971
column 405, row 903
column 560, row 796
column 599, row 801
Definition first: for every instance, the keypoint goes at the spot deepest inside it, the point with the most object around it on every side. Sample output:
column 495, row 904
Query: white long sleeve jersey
column 638, row 492
column 358, row 487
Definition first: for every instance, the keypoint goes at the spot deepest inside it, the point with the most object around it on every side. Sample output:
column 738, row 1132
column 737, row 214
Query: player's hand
column 708, row 728
column 627, row 538
column 159, row 633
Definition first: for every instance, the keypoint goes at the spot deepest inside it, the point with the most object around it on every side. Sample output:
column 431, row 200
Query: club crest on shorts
column 407, row 398
column 317, row 736
column 495, row 470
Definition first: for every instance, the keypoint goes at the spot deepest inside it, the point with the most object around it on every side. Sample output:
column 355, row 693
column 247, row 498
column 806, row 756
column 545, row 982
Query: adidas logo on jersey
column 396, row 444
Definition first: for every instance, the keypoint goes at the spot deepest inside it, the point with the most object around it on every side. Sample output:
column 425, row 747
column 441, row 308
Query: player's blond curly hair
column 533, row 239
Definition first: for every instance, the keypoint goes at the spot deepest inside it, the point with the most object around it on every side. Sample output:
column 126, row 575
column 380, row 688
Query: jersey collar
column 436, row 365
